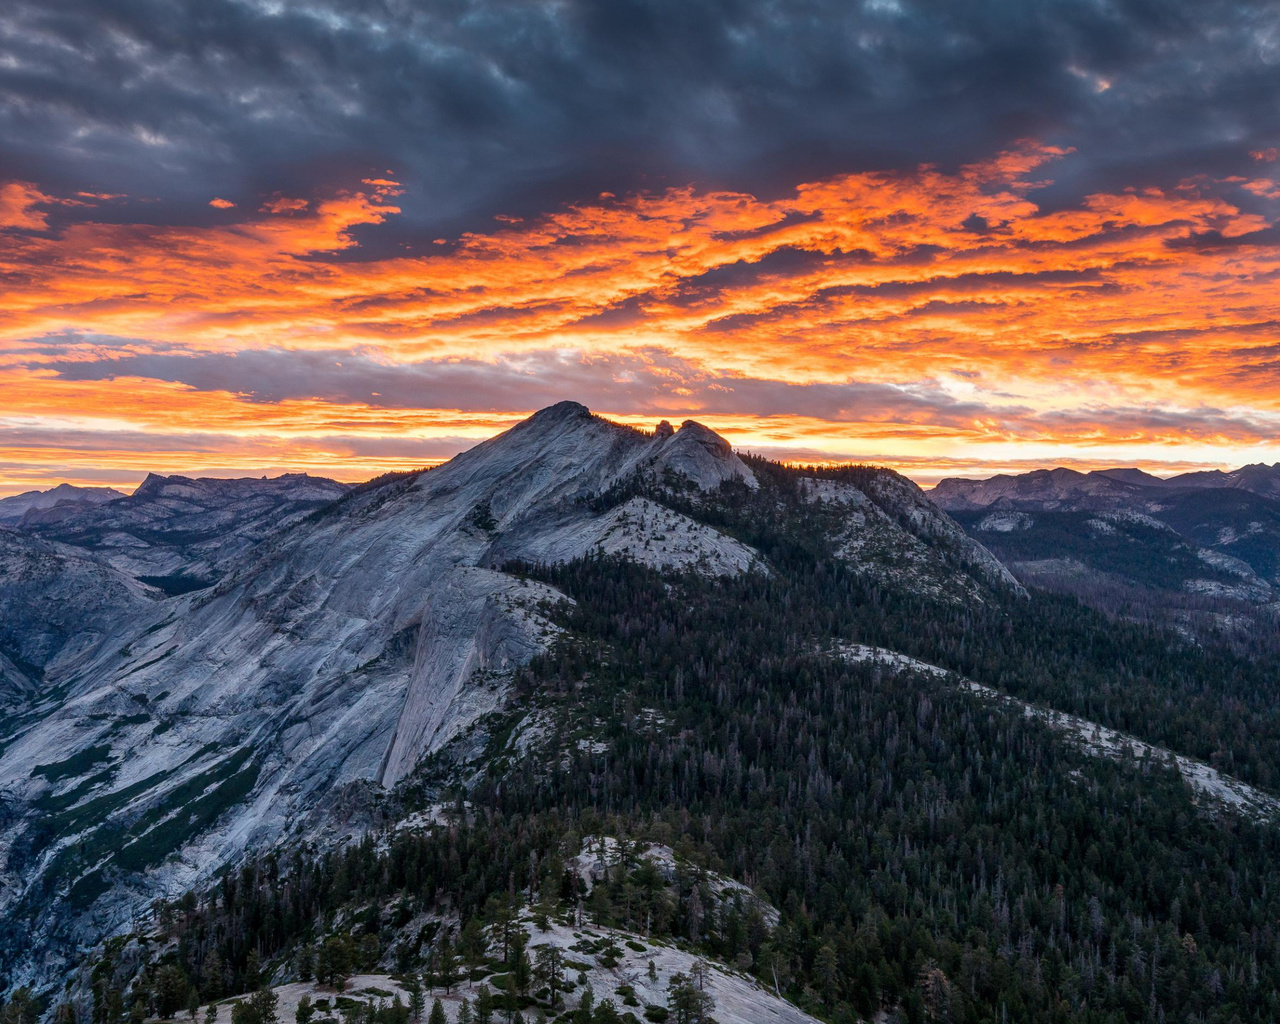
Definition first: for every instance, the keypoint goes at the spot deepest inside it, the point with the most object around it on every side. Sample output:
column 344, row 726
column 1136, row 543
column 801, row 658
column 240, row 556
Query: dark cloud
column 482, row 106
column 653, row 382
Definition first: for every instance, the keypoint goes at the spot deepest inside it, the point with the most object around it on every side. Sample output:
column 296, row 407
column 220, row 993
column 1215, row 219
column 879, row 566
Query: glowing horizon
column 942, row 323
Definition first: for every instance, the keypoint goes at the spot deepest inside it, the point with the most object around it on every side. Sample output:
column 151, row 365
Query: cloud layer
column 354, row 237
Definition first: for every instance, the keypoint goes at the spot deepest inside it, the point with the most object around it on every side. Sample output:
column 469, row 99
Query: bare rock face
column 639, row 529
column 58, row 605
column 477, row 627
column 701, row 455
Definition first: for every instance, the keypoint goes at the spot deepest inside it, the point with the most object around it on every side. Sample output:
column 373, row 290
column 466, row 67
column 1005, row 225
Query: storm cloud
column 353, row 237
column 509, row 106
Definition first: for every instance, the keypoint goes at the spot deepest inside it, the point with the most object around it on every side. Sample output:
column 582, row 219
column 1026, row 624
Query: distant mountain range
column 1201, row 548
column 15, row 507
column 1097, row 490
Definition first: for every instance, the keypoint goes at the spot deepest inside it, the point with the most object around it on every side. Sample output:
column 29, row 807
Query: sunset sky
column 956, row 238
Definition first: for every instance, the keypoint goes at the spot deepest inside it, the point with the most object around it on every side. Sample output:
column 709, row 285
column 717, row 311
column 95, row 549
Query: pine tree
column 264, row 1003
column 437, row 1013
column 687, row 1003
column 606, row 1013
column 417, row 1002
column 521, row 972
column 473, row 946
column 252, row 971
column 549, row 968
column 21, row 1008
column 484, row 1005
column 446, row 963
column 306, row 962
column 170, row 990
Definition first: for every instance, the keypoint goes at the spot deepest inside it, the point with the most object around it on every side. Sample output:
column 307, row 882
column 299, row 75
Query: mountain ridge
column 1094, row 488
column 393, row 714
column 1199, row 550
column 17, row 506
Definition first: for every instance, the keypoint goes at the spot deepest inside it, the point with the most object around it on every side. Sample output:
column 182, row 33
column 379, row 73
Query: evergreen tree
column 264, row 1003
column 417, row 1002
column 306, row 962
column 446, row 963
column 211, row 977
column 22, row 1008
column 473, row 946
column 606, row 1013
column 521, row 973
column 484, row 1005
column 549, row 970
column 170, row 990
column 687, row 1003
column 252, row 971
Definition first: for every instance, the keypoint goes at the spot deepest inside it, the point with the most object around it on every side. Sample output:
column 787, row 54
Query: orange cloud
column 1041, row 322
column 19, row 206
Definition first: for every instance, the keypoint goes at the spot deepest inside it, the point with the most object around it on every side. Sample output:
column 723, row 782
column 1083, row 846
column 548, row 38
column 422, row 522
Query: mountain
column 610, row 691
column 1201, row 550
column 1041, row 489
column 13, row 508
column 58, row 607
column 1259, row 479
column 178, row 533
column 347, row 645
column 1096, row 491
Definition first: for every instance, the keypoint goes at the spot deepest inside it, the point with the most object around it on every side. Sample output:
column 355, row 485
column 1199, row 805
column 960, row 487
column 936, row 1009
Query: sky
column 956, row 237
